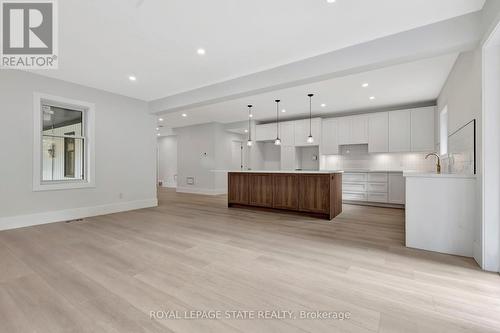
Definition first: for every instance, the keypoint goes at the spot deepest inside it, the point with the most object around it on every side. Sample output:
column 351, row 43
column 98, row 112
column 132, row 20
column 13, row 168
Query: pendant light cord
column 277, row 119
column 249, row 130
column 310, row 114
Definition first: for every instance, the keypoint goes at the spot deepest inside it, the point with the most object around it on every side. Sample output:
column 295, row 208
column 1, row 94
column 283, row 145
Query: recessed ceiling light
column 250, row 115
column 184, row 115
column 246, row 131
column 201, row 51
column 157, row 128
column 160, row 119
column 372, row 97
column 364, row 85
column 330, row 1
column 323, row 105
column 132, row 78
column 158, row 134
column 283, row 110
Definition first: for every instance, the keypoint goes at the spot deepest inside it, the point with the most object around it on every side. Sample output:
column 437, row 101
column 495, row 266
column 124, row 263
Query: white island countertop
column 283, row 171
column 437, row 175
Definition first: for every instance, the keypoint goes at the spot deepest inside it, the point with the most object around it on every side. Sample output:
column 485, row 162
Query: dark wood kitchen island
column 315, row 193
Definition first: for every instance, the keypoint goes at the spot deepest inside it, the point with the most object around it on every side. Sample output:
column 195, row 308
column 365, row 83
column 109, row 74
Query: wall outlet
column 190, row 180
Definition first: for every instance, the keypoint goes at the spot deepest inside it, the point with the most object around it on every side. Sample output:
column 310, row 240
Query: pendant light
column 249, row 142
column 277, row 142
column 310, row 138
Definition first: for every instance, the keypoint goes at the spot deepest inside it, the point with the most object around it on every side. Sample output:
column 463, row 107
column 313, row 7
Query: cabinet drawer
column 354, row 177
column 354, row 187
column 377, row 187
column 354, row 196
column 377, row 177
column 377, row 197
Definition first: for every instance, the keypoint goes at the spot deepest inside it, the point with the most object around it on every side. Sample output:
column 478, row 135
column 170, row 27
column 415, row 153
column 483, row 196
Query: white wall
column 203, row 149
column 462, row 94
column 125, row 154
column 167, row 160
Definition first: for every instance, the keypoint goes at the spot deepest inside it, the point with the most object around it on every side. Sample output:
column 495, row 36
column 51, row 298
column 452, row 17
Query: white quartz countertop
column 437, row 175
column 371, row 170
column 283, row 171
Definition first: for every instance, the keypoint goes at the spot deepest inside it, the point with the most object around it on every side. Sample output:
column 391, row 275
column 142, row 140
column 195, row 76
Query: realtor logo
column 29, row 34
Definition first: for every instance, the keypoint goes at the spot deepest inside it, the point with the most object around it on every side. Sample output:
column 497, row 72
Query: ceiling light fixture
column 277, row 142
column 310, row 138
column 249, row 142
column 323, row 105
column 246, row 131
column 184, row 115
column 372, row 97
column 158, row 134
column 201, row 51
column 330, row 1
column 283, row 111
column 364, row 85
column 132, row 78
column 160, row 119
column 157, row 128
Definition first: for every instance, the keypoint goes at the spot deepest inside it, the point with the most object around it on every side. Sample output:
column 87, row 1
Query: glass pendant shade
column 277, row 142
column 249, row 143
column 310, row 139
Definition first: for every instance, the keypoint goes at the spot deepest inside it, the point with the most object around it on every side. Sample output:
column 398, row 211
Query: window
column 443, row 131
column 63, row 144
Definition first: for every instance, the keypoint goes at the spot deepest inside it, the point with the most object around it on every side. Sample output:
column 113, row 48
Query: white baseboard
column 477, row 253
column 20, row 221
column 205, row 191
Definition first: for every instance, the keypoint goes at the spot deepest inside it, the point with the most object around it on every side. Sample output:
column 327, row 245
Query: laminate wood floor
column 107, row 273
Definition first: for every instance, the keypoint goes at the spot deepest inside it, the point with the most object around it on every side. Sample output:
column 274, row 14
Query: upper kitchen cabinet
column 353, row 130
column 287, row 133
column 265, row 132
column 329, row 137
column 422, row 129
column 400, row 131
column 378, row 132
column 302, row 132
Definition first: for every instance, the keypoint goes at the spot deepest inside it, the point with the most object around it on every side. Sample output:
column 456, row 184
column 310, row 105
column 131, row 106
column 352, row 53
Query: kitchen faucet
column 438, row 165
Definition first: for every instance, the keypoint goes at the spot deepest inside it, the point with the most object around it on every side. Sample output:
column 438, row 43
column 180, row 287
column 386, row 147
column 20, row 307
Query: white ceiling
column 103, row 42
column 404, row 84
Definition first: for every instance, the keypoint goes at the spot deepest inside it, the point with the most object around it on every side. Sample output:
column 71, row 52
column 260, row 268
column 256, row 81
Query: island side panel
column 335, row 195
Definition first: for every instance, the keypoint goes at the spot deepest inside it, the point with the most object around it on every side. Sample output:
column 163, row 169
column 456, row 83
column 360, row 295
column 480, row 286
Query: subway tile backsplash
column 357, row 157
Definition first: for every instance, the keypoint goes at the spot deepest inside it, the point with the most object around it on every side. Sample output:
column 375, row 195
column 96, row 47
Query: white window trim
column 89, row 116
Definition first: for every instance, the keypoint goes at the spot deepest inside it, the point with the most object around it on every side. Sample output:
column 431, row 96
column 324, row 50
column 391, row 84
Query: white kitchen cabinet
column 396, row 188
column 288, row 157
column 359, row 129
column 353, row 130
column 265, row 132
column 287, row 133
column 399, row 131
column 329, row 137
column 344, row 128
column 378, row 132
column 302, row 132
column 422, row 129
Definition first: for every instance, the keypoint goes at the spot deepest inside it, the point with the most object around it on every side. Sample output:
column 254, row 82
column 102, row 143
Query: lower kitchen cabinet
column 286, row 191
column 260, row 189
column 396, row 188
